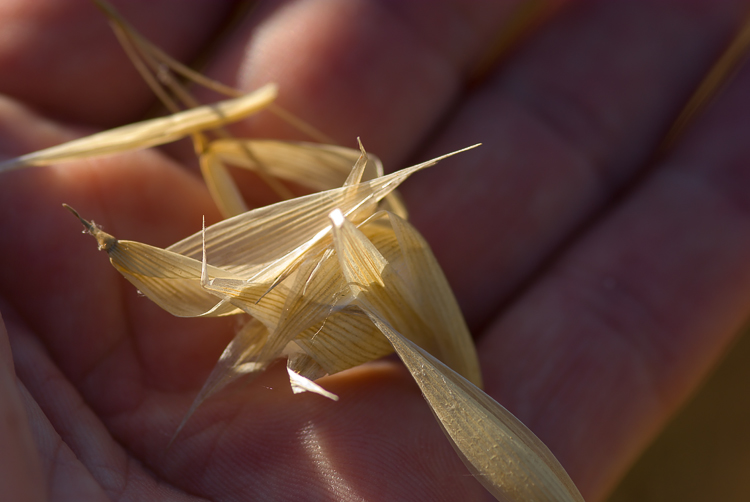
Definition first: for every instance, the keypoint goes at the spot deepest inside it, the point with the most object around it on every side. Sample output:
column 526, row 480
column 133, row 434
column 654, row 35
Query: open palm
column 601, row 277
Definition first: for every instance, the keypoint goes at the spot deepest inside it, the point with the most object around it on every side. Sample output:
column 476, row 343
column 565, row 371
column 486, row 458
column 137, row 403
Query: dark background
column 704, row 453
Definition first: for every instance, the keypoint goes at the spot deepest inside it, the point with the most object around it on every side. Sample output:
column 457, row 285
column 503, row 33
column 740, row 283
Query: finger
column 61, row 57
column 79, row 458
column 19, row 463
column 565, row 125
column 598, row 354
column 384, row 71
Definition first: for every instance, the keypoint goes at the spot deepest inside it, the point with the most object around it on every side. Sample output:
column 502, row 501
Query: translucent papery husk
column 331, row 281
column 275, row 263
column 319, row 167
column 318, row 316
column 150, row 132
column 416, row 272
column 254, row 248
column 261, row 244
column 239, row 359
column 503, row 454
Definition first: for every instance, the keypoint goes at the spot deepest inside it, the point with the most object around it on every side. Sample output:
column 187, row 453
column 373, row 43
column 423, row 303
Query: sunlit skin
column 601, row 280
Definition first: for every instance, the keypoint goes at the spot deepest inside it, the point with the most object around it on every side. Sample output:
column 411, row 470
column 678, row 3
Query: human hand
column 601, row 284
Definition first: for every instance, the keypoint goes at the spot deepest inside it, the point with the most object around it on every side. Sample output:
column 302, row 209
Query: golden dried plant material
column 150, row 133
column 272, row 161
column 349, row 285
column 156, row 68
column 329, row 281
column 505, row 456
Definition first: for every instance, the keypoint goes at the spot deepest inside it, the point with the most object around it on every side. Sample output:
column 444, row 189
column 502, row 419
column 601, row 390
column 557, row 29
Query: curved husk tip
column 105, row 241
